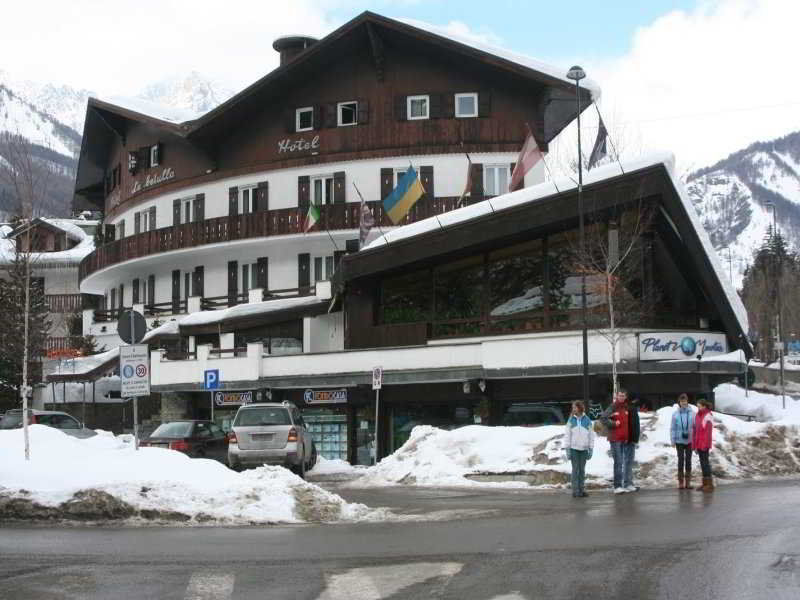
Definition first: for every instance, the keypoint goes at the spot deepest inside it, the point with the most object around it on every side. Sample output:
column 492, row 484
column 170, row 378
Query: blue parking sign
column 211, row 379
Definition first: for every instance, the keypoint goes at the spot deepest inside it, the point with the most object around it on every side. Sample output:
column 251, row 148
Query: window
column 304, row 119
column 323, row 268
column 155, row 159
column 145, row 216
column 467, row 105
column 133, row 160
column 187, row 208
column 418, row 107
column 245, row 279
column 120, row 230
column 322, row 190
column 495, row 179
column 347, row 113
column 246, row 197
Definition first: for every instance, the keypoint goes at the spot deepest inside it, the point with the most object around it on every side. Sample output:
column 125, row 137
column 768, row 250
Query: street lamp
column 778, row 270
column 576, row 73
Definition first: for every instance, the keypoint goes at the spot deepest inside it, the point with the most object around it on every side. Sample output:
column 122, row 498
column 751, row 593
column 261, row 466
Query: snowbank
column 763, row 407
column 105, row 478
column 435, row 457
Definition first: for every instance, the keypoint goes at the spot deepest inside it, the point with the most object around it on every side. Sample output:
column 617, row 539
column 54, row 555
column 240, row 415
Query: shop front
column 220, row 406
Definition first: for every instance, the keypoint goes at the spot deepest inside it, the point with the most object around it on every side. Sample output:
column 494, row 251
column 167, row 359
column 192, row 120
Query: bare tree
column 29, row 179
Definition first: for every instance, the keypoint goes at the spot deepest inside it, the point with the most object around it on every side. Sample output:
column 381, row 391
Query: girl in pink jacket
column 701, row 442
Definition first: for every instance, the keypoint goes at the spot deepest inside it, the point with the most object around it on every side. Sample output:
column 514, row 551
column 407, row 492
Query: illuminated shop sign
column 672, row 345
column 325, row 396
column 151, row 180
column 232, row 398
column 298, row 145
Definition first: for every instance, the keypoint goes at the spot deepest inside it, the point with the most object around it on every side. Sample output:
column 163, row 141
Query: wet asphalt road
column 741, row 542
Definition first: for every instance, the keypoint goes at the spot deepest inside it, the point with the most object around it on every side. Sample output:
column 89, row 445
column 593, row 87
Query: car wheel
column 313, row 460
column 301, row 469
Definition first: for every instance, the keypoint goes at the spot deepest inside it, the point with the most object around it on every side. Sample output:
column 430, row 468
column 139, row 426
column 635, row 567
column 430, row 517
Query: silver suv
column 271, row 433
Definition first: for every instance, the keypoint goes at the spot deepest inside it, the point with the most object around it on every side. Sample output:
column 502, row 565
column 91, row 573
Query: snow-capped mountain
column 192, row 93
column 732, row 198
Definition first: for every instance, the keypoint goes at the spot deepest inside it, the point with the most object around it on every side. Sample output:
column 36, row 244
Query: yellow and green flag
column 402, row 199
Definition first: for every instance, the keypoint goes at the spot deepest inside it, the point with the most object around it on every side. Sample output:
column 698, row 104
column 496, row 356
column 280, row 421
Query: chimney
column 290, row 46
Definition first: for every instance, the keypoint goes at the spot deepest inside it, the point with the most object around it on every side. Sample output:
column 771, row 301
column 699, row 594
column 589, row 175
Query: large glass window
column 322, row 189
column 516, row 284
column 407, row 299
column 458, row 292
column 495, row 179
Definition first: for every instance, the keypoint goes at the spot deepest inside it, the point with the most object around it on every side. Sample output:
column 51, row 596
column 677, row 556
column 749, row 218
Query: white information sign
column 134, row 370
column 377, row 378
column 668, row 345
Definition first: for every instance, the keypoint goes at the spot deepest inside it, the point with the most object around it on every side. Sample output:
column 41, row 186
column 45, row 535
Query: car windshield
column 11, row 420
column 262, row 415
column 173, row 430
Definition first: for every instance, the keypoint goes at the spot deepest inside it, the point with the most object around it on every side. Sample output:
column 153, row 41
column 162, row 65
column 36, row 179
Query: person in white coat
column 578, row 445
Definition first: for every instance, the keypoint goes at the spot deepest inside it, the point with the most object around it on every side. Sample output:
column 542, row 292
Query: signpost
column 377, row 383
column 134, row 371
column 211, row 382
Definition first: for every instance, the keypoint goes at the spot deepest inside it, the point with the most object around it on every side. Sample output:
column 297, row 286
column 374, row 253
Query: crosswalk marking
column 210, row 586
column 375, row 583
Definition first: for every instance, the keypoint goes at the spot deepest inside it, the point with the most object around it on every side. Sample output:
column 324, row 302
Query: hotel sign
column 675, row 344
column 298, row 145
column 152, row 180
column 232, row 398
column 325, row 396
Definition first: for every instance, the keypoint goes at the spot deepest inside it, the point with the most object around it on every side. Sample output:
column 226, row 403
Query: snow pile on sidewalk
column 103, row 477
column 730, row 398
column 435, row 457
column 334, row 466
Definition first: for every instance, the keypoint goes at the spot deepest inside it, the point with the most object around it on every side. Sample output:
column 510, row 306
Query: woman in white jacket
column 578, row 444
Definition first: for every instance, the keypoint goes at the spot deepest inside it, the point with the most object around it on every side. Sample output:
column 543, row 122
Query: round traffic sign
column 141, row 370
column 127, row 372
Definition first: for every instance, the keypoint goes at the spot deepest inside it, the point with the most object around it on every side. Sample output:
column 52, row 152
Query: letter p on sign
column 211, row 379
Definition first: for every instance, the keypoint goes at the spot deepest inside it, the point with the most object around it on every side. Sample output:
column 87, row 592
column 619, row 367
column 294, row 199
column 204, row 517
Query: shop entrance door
column 365, row 435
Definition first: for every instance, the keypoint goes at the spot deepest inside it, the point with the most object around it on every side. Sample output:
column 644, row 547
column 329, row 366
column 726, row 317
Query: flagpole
column 377, row 222
column 576, row 73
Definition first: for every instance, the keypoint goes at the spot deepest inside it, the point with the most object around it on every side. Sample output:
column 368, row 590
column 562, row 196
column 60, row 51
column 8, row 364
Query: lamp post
column 778, row 268
column 576, row 73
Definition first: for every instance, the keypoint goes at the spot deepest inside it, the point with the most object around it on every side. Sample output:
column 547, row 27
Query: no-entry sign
column 134, row 370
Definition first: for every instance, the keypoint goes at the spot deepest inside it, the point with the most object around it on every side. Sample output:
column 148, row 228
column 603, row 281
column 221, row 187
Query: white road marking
column 374, row 583
column 210, row 586
column 511, row 596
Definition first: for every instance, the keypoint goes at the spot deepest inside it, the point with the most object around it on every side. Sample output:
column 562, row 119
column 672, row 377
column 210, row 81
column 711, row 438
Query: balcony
column 283, row 221
column 63, row 303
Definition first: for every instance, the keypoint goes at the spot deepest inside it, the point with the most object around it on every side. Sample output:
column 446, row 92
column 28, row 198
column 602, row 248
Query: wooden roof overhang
column 237, row 323
column 651, row 185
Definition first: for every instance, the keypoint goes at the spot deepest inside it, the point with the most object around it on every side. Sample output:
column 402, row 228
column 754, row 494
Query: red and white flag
column 528, row 157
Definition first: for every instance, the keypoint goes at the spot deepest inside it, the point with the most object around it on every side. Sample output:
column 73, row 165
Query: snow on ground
column 435, row 457
column 334, row 466
column 105, row 478
column 763, row 407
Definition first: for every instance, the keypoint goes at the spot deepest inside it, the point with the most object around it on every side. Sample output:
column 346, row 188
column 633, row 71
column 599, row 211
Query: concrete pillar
column 174, row 406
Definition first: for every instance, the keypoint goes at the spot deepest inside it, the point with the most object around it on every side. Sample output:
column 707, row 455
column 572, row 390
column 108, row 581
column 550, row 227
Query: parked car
column 52, row 418
column 524, row 414
column 271, row 433
column 198, row 439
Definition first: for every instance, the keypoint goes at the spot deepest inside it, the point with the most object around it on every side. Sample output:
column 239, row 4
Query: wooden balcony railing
column 63, row 303
column 281, row 221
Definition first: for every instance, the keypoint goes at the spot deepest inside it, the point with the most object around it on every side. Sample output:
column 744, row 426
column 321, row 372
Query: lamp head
column 576, row 73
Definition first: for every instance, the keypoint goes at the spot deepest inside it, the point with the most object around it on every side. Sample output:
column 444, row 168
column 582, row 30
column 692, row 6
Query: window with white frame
column 323, row 268
column 155, row 159
column 347, row 113
column 322, row 190
column 467, row 105
column 247, row 196
column 418, row 107
column 145, row 217
column 304, row 119
column 249, row 277
column 495, row 179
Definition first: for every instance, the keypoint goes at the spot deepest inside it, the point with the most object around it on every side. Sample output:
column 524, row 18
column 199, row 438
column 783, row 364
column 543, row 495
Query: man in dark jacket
column 629, row 447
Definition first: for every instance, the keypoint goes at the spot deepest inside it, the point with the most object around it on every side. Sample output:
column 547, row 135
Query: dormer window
column 155, row 155
column 304, row 119
column 466, row 105
column 347, row 113
column 418, row 107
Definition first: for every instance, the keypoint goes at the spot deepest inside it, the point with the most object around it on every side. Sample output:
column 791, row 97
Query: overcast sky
column 699, row 78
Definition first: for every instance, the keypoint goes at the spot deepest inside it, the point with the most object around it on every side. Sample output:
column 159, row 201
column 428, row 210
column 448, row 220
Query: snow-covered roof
column 67, row 258
column 554, row 187
column 246, row 310
column 509, row 55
